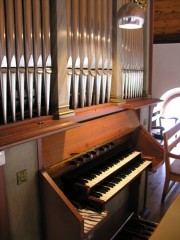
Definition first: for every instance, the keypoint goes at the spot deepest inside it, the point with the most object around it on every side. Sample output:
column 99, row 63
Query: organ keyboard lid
column 60, row 147
column 67, row 144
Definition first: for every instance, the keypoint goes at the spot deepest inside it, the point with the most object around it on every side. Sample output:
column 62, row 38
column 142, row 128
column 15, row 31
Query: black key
column 94, row 194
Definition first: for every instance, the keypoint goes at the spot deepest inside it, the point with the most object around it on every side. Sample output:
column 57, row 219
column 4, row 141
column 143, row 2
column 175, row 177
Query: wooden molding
column 167, row 38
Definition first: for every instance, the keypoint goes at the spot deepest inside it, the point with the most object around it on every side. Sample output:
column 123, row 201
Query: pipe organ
column 26, row 64
column 93, row 164
column 25, row 59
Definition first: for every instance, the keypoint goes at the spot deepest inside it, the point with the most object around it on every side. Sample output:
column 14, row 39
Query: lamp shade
column 130, row 16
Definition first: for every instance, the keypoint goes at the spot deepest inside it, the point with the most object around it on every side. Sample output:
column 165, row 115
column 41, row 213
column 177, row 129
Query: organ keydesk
column 94, row 176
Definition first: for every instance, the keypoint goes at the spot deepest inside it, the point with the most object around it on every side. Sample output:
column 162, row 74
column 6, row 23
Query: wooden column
column 59, row 88
column 116, row 92
column 148, row 44
column 148, row 56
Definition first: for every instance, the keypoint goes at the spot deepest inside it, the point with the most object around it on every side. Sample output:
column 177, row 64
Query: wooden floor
column 154, row 193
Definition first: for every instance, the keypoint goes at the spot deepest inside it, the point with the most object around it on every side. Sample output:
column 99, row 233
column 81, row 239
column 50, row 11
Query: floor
column 154, row 193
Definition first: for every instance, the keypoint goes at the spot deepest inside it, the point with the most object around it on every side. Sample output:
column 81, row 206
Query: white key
column 124, row 181
column 103, row 175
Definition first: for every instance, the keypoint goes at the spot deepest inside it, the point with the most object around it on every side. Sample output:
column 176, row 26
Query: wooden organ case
column 94, row 176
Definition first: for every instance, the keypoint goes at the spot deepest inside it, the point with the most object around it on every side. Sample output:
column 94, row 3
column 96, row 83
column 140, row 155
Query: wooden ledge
column 30, row 129
column 140, row 102
column 16, row 133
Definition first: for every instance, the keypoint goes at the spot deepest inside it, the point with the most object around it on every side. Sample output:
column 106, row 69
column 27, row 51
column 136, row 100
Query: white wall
column 166, row 68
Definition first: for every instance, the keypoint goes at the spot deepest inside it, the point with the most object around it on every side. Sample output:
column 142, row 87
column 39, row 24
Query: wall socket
column 21, row 176
column 2, row 158
column 145, row 122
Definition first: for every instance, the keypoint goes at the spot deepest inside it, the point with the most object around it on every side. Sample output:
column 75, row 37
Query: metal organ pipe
column 37, row 54
column 69, row 46
column 83, row 52
column 11, row 55
column 29, row 54
column 98, row 49
column 132, row 62
column 92, row 54
column 3, row 63
column 104, row 51
column 25, row 58
column 46, row 44
column 76, row 54
column 26, row 65
column 109, row 48
column 20, row 58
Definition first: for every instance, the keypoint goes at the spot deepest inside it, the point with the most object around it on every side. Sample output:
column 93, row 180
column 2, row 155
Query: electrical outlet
column 21, row 176
column 145, row 122
column 2, row 158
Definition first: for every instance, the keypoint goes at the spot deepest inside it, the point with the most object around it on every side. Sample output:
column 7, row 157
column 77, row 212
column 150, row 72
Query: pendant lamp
column 130, row 16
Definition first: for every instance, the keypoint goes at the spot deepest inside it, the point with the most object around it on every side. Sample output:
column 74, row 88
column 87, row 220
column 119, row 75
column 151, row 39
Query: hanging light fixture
column 130, row 16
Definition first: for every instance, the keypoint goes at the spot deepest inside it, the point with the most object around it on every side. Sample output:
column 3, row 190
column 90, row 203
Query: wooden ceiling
column 166, row 21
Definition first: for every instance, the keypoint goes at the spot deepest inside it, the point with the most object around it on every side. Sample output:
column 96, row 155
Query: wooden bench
column 172, row 158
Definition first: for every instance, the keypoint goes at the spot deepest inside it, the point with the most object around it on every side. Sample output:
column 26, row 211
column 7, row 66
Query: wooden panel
column 147, row 144
column 163, row 26
column 60, row 219
column 61, row 146
column 138, row 103
column 20, row 132
column 166, row 21
column 167, row 38
column 166, row 16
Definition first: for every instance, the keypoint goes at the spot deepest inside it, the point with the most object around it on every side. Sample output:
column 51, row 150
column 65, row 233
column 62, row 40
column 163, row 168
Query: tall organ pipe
column 69, row 46
column 37, row 53
column 29, row 58
column 11, row 55
column 47, row 62
column 3, row 63
column 76, row 55
column 83, row 53
column 20, row 58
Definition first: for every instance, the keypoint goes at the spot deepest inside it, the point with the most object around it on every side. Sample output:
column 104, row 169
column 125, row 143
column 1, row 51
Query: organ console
column 93, row 177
